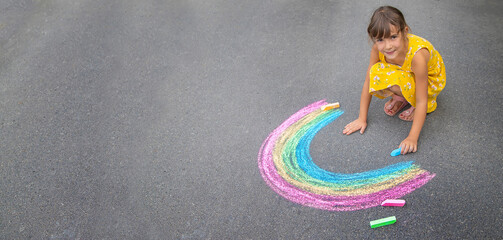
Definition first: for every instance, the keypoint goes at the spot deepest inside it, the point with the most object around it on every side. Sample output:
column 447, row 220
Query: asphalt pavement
column 127, row 119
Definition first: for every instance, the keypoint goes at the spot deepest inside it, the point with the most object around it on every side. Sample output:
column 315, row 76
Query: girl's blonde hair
column 381, row 21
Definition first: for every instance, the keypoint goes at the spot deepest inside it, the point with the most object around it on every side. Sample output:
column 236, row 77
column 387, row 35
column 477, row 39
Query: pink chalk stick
column 393, row 203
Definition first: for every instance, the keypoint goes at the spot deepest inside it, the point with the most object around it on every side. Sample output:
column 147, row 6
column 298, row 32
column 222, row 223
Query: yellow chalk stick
column 330, row 106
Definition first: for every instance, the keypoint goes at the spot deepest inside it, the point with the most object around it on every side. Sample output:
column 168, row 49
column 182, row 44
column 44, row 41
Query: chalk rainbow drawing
column 287, row 167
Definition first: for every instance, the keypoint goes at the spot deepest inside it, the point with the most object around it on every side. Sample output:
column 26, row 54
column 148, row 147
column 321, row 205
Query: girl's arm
column 361, row 122
column 420, row 69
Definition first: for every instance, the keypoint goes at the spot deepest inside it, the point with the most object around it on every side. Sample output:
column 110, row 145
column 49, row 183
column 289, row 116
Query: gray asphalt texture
column 127, row 119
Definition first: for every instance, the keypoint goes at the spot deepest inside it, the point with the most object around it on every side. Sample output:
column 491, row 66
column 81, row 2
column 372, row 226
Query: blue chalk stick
column 396, row 152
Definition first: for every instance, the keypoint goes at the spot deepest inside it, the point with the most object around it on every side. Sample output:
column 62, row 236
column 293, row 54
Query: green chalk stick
column 382, row 222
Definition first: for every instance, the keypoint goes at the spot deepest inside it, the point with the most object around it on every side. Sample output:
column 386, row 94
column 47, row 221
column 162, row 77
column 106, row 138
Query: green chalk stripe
column 382, row 222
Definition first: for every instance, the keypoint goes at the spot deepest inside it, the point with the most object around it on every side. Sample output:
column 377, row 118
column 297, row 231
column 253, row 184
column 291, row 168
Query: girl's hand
column 408, row 145
column 355, row 126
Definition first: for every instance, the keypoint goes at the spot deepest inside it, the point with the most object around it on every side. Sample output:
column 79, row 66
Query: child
column 403, row 66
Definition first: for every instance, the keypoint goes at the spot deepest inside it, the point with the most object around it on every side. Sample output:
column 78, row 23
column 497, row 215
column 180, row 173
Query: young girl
column 403, row 66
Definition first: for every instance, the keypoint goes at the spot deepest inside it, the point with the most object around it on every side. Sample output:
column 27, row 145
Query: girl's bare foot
column 407, row 115
column 395, row 104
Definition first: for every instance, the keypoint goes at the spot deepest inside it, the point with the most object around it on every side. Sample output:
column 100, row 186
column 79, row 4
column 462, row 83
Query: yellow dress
column 384, row 75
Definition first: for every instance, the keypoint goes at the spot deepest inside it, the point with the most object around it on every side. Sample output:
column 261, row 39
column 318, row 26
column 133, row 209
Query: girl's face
column 393, row 47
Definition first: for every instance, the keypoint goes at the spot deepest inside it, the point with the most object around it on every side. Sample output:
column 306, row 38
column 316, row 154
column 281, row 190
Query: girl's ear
column 406, row 30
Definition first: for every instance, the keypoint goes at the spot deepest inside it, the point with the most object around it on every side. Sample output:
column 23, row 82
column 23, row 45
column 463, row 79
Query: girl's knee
column 376, row 67
column 376, row 70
